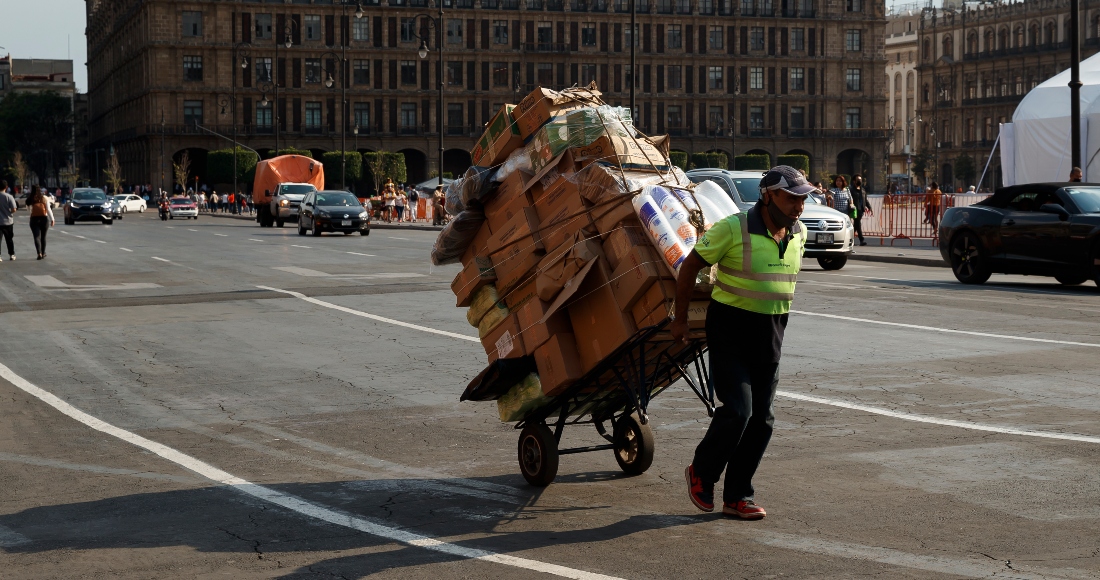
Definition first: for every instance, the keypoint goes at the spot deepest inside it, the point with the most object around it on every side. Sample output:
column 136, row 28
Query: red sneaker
column 700, row 492
column 745, row 509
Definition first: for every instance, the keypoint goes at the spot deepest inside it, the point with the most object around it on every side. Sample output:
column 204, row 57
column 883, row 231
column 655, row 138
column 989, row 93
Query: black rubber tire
column 634, row 444
column 364, row 232
column 538, row 454
column 141, row 209
column 280, row 223
column 316, row 230
column 1071, row 279
column 833, row 262
column 301, row 230
column 108, row 222
column 968, row 261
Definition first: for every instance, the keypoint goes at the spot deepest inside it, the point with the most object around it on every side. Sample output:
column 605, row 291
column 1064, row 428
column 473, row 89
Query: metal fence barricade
column 912, row 216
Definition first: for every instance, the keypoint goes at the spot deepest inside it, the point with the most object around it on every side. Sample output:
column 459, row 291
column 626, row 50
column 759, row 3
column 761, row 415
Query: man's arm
column 685, row 285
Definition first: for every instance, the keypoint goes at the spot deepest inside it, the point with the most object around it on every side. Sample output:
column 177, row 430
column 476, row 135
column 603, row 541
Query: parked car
column 89, row 203
column 182, row 207
column 1038, row 229
column 333, row 211
column 830, row 235
column 129, row 202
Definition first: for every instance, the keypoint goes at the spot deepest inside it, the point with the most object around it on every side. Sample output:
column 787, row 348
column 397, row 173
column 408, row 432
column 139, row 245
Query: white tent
column 1036, row 147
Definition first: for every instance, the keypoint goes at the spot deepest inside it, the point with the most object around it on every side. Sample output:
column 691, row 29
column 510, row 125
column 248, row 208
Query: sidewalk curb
column 908, row 260
column 373, row 225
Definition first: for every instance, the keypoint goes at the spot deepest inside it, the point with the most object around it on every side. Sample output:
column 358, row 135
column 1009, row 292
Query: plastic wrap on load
column 492, row 319
column 693, row 206
column 718, row 197
column 456, row 237
column 477, row 183
column 498, row 378
column 484, row 300
column 590, row 123
column 452, row 201
column 520, row 159
column 524, row 397
column 597, row 183
column 661, row 231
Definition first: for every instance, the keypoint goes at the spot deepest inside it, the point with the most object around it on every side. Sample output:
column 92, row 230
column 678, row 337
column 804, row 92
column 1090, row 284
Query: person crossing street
column 758, row 254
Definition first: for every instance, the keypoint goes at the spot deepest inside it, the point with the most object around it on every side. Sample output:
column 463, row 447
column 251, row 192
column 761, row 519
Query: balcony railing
column 555, row 5
column 454, row 131
column 1032, row 49
column 408, row 130
column 546, row 47
column 678, row 131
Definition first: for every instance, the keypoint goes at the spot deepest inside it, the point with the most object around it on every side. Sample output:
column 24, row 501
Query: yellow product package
column 484, row 300
column 521, row 399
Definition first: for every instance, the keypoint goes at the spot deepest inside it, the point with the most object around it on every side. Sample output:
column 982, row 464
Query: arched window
column 947, row 46
column 988, row 46
column 1051, row 31
column 1003, row 39
column 897, row 84
column 1096, row 27
column 1019, row 36
column 927, row 49
column 911, row 84
column 972, row 43
column 1033, row 35
column 1019, row 85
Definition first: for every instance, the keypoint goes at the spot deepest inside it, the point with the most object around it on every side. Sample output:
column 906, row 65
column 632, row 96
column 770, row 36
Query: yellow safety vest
column 759, row 280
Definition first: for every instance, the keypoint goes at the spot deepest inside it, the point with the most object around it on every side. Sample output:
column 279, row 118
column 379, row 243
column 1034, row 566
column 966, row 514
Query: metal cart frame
column 618, row 390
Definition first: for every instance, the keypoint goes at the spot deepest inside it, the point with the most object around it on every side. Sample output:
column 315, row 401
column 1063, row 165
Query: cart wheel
column 633, row 444
column 538, row 455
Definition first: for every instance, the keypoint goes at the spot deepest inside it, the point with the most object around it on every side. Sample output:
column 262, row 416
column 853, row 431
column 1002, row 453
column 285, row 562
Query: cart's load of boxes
column 570, row 227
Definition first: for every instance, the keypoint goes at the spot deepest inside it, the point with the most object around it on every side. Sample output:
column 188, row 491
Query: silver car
column 830, row 235
column 287, row 201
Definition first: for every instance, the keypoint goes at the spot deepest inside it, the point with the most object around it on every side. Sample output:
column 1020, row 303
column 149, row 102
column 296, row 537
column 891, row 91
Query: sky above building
column 46, row 29
column 55, row 29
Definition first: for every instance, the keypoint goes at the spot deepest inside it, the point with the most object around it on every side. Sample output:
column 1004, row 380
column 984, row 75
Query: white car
column 130, row 202
column 830, row 235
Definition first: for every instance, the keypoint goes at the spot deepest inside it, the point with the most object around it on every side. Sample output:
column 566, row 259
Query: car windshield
column 296, row 189
column 120, row 197
column 748, row 188
column 1087, row 200
column 337, row 199
column 89, row 195
column 180, row 201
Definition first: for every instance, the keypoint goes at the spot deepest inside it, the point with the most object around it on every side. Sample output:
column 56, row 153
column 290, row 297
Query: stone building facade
column 976, row 63
column 770, row 76
column 902, row 50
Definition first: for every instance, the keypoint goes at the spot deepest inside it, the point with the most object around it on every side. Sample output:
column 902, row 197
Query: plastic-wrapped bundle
column 692, row 205
column 520, row 159
column 475, row 185
column 674, row 212
column 484, row 300
column 712, row 214
column 456, row 237
column 453, row 197
column 660, row 231
column 590, row 123
column 717, row 196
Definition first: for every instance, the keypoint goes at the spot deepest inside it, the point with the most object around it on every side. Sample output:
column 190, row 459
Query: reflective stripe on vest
column 763, row 292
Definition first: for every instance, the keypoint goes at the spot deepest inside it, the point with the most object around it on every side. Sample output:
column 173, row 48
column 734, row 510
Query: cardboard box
column 510, row 200
column 659, row 297
column 480, row 244
column 536, row 326
column 564, row 263
column 541, row 105
column 608, row 216
column 560, row 222
column 547, row 185
column 548, row 142
column 520, row 294
column 697, row 314
column 624, row 152
column 638, row 270
column 558, row 362
column 477, row 274
column 500, row 139
column 505, row 340
column 655, row 317
column 619, row 241
column 514, row 265
column 598, row 324
column 517, row 230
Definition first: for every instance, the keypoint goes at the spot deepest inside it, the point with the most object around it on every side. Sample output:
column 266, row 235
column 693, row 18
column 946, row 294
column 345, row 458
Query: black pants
column 9, row 236
column 39, row 226
column 859, row 226
column 742, row 425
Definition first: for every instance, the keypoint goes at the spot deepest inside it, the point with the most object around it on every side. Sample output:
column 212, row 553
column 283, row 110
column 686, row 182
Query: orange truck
column 281, row 183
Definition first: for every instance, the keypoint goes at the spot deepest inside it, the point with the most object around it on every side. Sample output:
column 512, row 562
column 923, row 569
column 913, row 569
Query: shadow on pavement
column 500, row 514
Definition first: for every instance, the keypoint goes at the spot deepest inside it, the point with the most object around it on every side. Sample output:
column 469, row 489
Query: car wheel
column 316, row 229
column 833, row 263
column 280, row 223
column 108, row 222
column 124, row 210
column 141, row 209
column 1071, row 279
column 301, row 230
column 364, row 232
column 968, row 260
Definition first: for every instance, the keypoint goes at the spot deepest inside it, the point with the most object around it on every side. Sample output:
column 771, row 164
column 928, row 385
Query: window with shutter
column 731, row 46
column 744, row 40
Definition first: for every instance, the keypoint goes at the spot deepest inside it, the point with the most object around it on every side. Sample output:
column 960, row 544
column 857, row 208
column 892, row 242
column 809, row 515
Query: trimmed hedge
column 292, row 151
column 679, row 159
column 353, row 168
column 797, row 161
column 709, row 160
column 751, row 162
column 219, row 165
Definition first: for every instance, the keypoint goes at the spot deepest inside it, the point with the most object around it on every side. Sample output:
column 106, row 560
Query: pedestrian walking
column 840, row 198
column 8, row 207
column 437, row 206
column 41, row 219
column 860, row 205
column 389, row 198
column 230, row 201
column 414, row 201
column 933, row 202
column 759, row 254
column 399, row 204
column 213, row 205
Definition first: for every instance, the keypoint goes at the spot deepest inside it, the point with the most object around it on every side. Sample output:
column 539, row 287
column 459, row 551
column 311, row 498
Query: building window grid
column 360, row 29
column 192, row 68
column 408, row 72
column 500, row 74
column 853, row 40
column 500, row 32
column 588, row 74
column 312, row 26
column 675, row 118
column 313, row 70
column 362, row 117
column 714, row 77
column 408, row 118
column 454, row 73
column 263, row 70
column 852, row 118
column 263, row 116
column 798, row 78
column 854, row 5
column 756, row 77
column 675, row 36
column 360, row 71
column 313, row 115
column 798, row 39
column 263, row 27
column 798, row 117
column 192, row 23
column 852, row 78
column 454, row 31
column 756, row 38
column 588, row 34
column 408, row 29
column 715, row 37
column 756, row 118
column 675, row 78
column 192, row 113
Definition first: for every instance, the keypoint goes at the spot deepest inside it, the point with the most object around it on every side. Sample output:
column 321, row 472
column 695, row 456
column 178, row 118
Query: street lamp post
column 436, row 22
column 288, row 41
column 240, row 49
column 343, row 115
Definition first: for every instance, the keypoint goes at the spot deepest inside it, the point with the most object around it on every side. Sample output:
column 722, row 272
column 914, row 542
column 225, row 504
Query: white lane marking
column 222, row 235
column 287, row 501
column 371, row 316
column 99, row 241
column 937, row 421
column 358, row 254
column 162, row 259
column 10, row 538
column 55, row 284
column 126, row 249
column 319, row 274
column 297, row 246
column 192, row 230
column 397, row 238
column 946, row 330
column 254, row 240
column 170, row 227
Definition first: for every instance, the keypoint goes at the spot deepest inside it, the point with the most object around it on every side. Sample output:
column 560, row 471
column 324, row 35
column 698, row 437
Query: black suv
column 90, row 203
column 333, row 211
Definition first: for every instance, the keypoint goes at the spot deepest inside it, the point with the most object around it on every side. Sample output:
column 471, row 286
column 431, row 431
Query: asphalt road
column 168, row 412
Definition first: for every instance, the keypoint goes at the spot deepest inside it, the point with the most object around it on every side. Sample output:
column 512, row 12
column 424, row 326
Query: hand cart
column 618, row 390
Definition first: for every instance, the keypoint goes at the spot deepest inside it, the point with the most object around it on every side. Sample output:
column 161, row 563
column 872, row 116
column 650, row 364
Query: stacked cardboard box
column 561, row 269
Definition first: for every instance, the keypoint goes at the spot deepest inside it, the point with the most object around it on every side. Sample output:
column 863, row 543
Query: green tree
column 40, row 125
column 920, row 165
column 353, row 169
column 379, row 165
column 965, row 170
column 219, row 164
